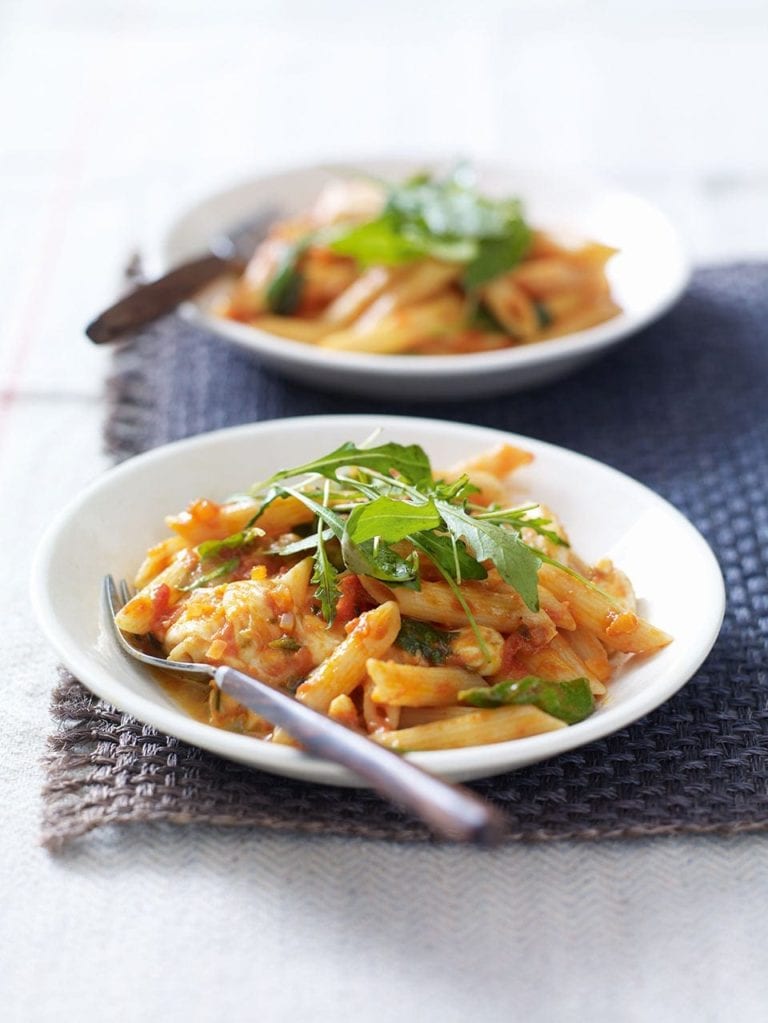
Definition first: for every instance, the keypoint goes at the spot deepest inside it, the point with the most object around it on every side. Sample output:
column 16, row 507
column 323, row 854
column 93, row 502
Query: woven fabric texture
column 681, row 407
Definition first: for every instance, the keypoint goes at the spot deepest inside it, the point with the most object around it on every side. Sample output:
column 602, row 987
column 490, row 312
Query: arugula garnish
column 211, row 548
column 391, row 520
column 325, row 575
column 446, row 219
column 517, row 563
column 390, row 496
column 409, row 461
column 424, row 640
column 209, row 577
column 570, row 701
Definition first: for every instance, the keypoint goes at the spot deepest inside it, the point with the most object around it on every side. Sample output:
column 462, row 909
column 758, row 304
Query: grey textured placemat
column 682, row 407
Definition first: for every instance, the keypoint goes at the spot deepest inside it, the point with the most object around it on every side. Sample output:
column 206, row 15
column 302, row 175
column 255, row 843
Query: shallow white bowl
column 647, row 277
column 109, row 527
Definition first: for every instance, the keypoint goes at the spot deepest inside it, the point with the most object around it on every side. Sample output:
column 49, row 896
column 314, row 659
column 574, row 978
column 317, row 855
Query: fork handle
column 451, row 811
column 148, row 302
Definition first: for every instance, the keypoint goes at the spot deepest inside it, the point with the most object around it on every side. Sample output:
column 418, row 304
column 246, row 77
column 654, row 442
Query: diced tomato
column 161, row 607
column 353, row 600
column 511, row 667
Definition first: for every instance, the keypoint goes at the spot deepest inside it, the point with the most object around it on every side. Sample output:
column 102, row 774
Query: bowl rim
column 468, row 762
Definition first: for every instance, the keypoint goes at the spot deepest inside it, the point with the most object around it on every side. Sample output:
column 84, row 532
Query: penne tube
column 378, row 715
column 592, row 652
column 501, row 609
column 401, row 329
column 355, row 299
column 344, row 669
column 617, row 627
column 407, row 685
column 581, row 319
column 478, row 728
column 343, row 710
column 296, row 328
column 512, row 307
column 413, row 284
column 558, row 611
column 593, row 255
column 207, row 520
column 410, row 716
column 500, row 462
column 558, row 662
column 139, row 614
column 157, row 558
column 542, row 278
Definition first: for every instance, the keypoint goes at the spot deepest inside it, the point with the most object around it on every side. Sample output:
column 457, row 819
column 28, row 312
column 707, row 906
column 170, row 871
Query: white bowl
column 109, row 527
column 646, row 278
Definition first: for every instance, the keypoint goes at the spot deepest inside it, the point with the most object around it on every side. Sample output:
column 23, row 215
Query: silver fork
column 451, row 811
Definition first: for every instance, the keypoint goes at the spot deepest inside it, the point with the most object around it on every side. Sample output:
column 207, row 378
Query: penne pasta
column 617, row 627
column 398, row 330
column 502, row 610
column 344, row 669
column 374, row 609
column 427, row 266
column 475, row 729
column 407, row 685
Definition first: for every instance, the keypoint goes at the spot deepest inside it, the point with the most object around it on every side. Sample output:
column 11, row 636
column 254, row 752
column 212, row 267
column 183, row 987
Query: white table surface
column 111, row 115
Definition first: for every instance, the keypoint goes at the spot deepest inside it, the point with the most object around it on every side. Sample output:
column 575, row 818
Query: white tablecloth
column 111, row 114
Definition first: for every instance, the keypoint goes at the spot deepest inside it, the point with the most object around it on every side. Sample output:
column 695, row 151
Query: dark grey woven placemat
column 682, row 407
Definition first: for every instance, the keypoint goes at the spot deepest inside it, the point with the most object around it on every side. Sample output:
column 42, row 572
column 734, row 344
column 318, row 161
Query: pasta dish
column 427, row 267
column 426, row 610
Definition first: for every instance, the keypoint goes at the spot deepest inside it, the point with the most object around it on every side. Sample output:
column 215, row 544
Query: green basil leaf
column 497, row 256
column 424, row 640
column 379, row 561
column 570, row 701
column 543, row 315
column 377, row 243
column 284, row 290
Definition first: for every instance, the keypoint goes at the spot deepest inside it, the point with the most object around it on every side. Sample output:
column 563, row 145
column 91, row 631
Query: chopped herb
column 481, row 318
column 287, row 643
column 210, row 548
column 543, row 315
column 324, row 576
column 424, row 640
column 570, row 701
column 284, row 290
column 308, row 543
column 227, row 568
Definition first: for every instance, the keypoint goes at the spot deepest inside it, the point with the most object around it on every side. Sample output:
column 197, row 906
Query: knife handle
column 150, row 301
